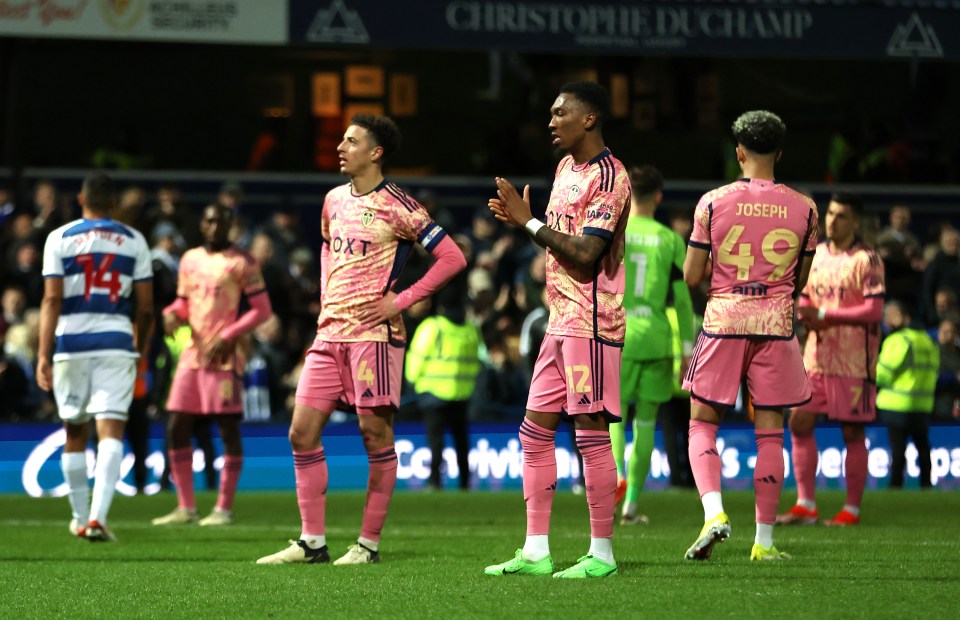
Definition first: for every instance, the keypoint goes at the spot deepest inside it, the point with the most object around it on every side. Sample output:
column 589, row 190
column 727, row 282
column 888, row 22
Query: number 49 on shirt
column 743, row 259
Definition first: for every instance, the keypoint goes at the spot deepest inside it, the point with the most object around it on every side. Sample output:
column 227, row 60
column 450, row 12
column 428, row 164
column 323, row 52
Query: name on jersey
column 349, row 245
column 98, row 233
column 756, row 290
column 558, row 221
column 643, row 239
column 758, row 209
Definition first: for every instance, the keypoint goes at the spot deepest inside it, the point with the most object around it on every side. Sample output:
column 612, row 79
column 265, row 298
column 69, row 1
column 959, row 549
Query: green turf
column 900, row 563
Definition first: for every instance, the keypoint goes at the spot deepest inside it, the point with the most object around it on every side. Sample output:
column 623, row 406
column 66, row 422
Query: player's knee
column 300, row 439
column 374, row 438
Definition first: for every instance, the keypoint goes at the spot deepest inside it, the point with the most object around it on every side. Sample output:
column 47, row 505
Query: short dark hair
column 849, row 199
column 645, row 180
column 593, row 95
column 760, row 131
column 384, row 131
column 100, row 191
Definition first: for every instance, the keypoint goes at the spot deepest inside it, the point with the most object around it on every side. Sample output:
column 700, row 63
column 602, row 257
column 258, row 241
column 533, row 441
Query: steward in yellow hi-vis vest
column 906, row 377
column 443, row 361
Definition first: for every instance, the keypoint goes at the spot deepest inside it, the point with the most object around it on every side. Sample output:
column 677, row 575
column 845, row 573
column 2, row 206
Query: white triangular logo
column 337, row 24
column 915, row 38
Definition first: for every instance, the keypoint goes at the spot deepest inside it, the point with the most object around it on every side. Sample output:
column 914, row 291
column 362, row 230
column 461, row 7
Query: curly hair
column 760, row 131
column 384, row 131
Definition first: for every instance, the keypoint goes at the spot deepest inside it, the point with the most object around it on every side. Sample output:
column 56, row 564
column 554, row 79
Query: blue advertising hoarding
column 30, row 459
column 733, row 28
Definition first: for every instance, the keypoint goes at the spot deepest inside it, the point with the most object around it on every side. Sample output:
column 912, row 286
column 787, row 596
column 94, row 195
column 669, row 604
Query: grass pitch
column 901, row 562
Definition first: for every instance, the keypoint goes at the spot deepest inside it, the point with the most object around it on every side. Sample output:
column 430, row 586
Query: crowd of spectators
column 504, row 280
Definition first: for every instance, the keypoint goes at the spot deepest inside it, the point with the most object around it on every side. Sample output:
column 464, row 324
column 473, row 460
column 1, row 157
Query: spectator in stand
column 484, row 233
column 20, row 231
column 533, row 281
column 231, row 196
column 902, row 257
column 305, row 299
column 132, row 207
column 20, row 349
column 27, row 273
column 7, row 207
column 13, row 303
column 948, row 379
column 945, row 305
column 284, row 231
column 13, row 391
column 276, row 276
column 48, row 213
column 170, row 207
column 943, row 272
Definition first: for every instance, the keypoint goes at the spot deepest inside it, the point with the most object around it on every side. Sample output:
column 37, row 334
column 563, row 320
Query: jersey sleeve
column 143, row 269
column 52, row 264
column 700, row 235
column 413, row 223
column 872, row 274
column 605, row 207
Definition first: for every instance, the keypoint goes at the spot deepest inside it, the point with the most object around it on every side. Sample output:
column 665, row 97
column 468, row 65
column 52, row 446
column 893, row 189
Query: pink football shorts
column 843, row 399
column 351, row 375
column 203, row 391
column 576, row 375
column 773, row 369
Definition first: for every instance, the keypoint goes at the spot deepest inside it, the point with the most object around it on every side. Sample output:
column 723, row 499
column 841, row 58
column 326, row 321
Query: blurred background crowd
column 503, row 285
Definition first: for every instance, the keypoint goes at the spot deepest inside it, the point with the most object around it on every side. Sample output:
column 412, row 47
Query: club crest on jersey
column 573, row 194
column 367, row 217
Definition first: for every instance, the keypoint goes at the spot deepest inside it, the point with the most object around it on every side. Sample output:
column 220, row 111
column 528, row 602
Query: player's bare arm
column 144, row 315
column 49, row 315
column 695, row 266
column 513, row 209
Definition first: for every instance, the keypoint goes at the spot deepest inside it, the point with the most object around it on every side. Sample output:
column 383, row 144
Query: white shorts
column 94, row 387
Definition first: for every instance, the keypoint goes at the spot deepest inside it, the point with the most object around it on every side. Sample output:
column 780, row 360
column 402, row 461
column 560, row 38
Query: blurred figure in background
column 213, row 280
column 442, row 364
column 948, row 377
column 907, row 379
column 902, row 257
column 942, row 273
column 842, row 306
column 92, row 269
column 653, row 261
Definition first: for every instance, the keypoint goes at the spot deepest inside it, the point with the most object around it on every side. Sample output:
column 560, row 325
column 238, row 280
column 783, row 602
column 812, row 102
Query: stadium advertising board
column 207, row 21
column 30, row 459
column 735, row 28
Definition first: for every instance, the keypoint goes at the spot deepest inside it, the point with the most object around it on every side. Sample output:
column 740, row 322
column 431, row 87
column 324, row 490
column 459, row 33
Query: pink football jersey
column 369, row 239
column 844, row 280
column 213, row 283
column 757, row 231
column 590, row 199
